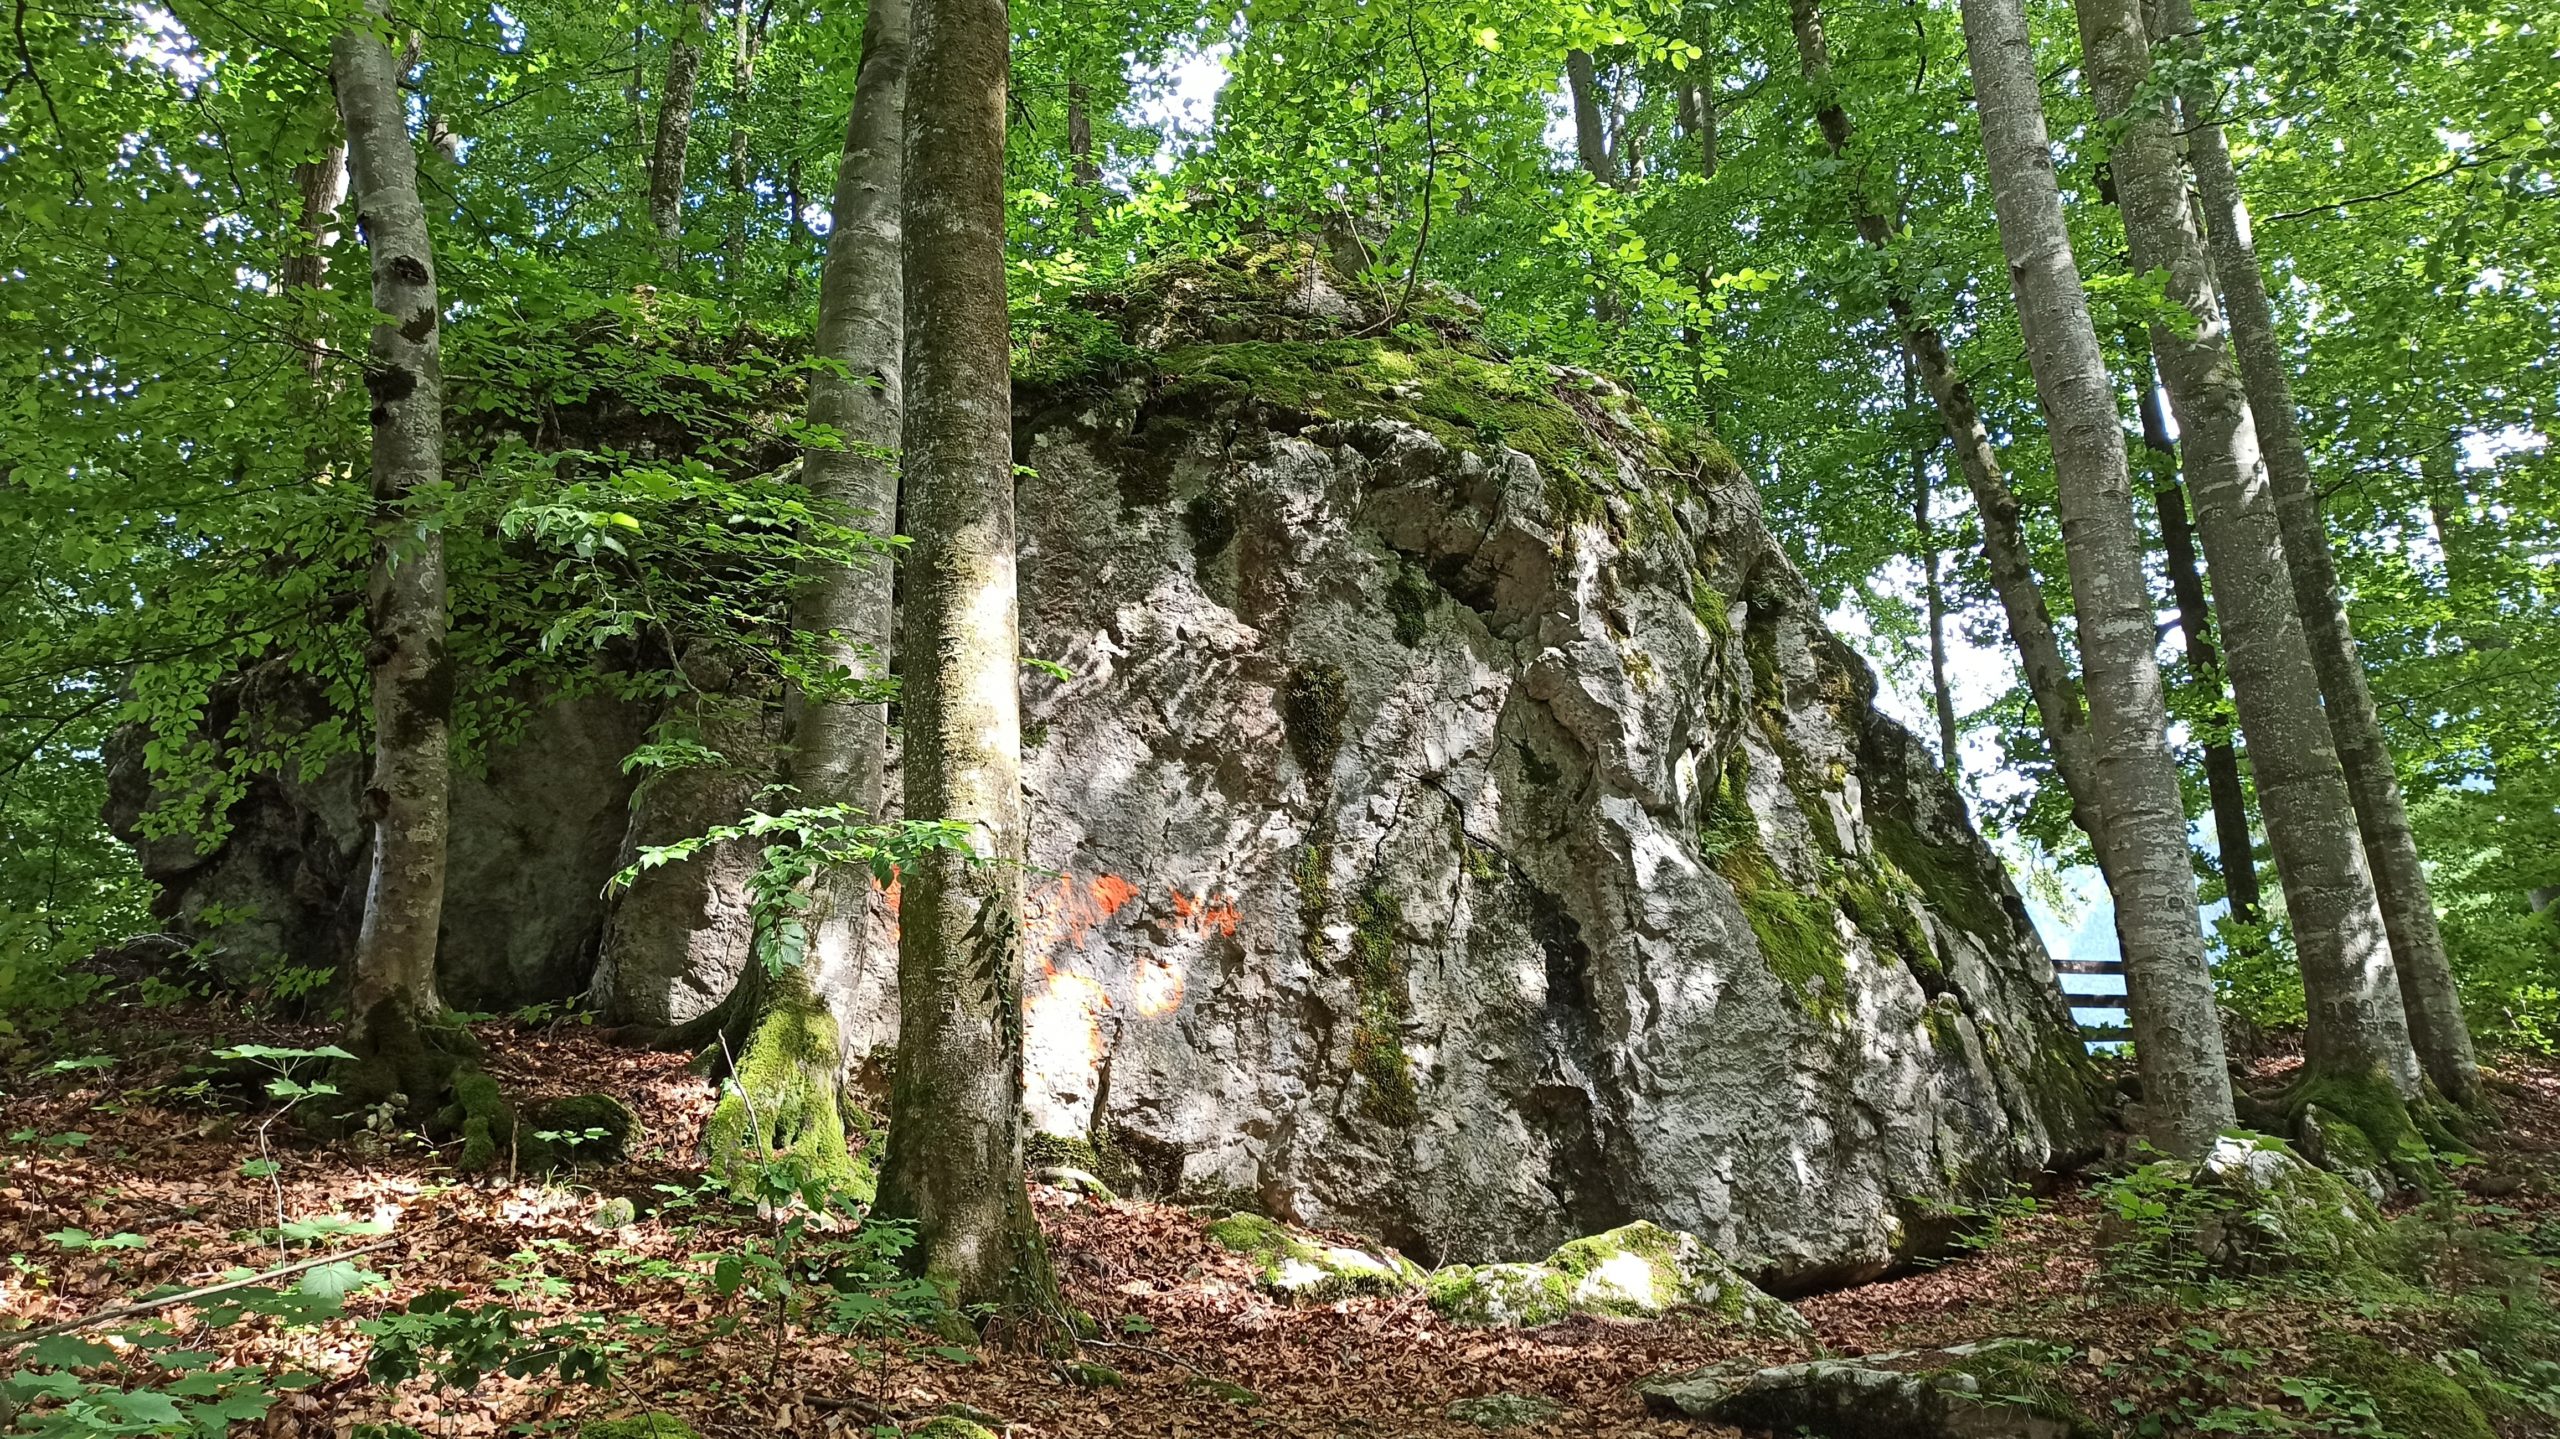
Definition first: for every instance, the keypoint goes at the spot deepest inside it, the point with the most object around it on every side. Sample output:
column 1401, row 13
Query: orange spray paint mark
column 1205, row 914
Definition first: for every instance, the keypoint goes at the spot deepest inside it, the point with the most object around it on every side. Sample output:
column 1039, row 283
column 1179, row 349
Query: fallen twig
column 25, row 1337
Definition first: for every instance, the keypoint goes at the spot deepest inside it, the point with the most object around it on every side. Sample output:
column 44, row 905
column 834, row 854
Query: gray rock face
column 1456, row 825
column 1483, row 856
column 536, row 832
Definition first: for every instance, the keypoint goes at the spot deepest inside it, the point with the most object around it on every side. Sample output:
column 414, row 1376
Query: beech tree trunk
column 322, row 186
column 2004, row 545
column 394, row 992
column 955, row 1127
column 2427, row 992
column 2231, row 837
column 1590, row 126
column 1591, row 146
column 1924, row 529
column 2169, row 991
column 2358, row 1030
column 675, row 131
column 787, row 1079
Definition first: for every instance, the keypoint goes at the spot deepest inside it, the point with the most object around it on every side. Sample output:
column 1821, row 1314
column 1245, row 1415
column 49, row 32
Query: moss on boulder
column 1300, row 1267
column 585, row 1128
column 951, row 1426
column 1636, row 1271
column 2249, row 1206
column 1997, row 1389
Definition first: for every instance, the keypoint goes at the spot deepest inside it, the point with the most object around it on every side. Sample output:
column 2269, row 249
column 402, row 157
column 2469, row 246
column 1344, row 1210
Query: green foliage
column 141, row 1378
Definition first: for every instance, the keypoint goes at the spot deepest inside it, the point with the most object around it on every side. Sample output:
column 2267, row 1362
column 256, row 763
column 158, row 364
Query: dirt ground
column 124, row 1150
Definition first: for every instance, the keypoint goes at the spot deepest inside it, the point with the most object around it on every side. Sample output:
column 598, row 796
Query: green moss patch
column 1299, row 1267
column 1377, row 1035
column 2410, row 1395
column 784, row 1104
column 652, row 1425
column 1636, row 1271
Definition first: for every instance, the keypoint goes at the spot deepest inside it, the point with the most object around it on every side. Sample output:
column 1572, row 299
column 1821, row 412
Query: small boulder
column 2249, row 1206
column 1996, row 1389
column 1299, row 1267
column 585, row 1128
column 1636, row 1271
column 1505, row 1411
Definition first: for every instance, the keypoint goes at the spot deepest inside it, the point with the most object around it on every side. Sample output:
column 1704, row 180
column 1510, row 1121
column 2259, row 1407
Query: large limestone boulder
column 1455, row 824
column 1461, row 828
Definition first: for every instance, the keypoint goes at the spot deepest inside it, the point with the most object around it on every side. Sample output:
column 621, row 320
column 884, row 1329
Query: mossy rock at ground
column 951, row 1426
column 1085, row 1374
column 585, row 1128
column 2250, row 1206
column 1636, row 1271
column 2410, row 1394
column 1298, row 1267
column 651, row 1425
column 1505, row 1411
column 2400, row 1137
column 1996, row 1389
column 2333, row 1142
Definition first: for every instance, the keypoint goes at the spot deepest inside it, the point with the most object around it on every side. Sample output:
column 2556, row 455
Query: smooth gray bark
column 1590, row 126
column 1933, row 591
column 2427, row 991
column 411, row 673
column 2004, row 545
column 675, row 132
column 2358, row 1029
column 321, row 185
column 2169, row 990
column 955, row 1127
column 2233, row 843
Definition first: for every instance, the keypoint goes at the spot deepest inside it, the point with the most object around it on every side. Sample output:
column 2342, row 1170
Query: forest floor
column 154, row 1177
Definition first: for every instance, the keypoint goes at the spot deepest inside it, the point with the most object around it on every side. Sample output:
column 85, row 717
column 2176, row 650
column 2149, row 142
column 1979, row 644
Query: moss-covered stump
column 651, row 1425
column 1297, row 1267
column 785, row 1103
column 2250, row 1206
column 1636, row 1271
column 1997, row 1389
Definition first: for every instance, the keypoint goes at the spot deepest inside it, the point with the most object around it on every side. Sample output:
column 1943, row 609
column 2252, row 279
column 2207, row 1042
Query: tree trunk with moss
column 2427, row 992
column 2169, row 991
column 394, row 992
column 2004, row 545
column 955, row 1125
column 2358, row 1032
column 784, row 1098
